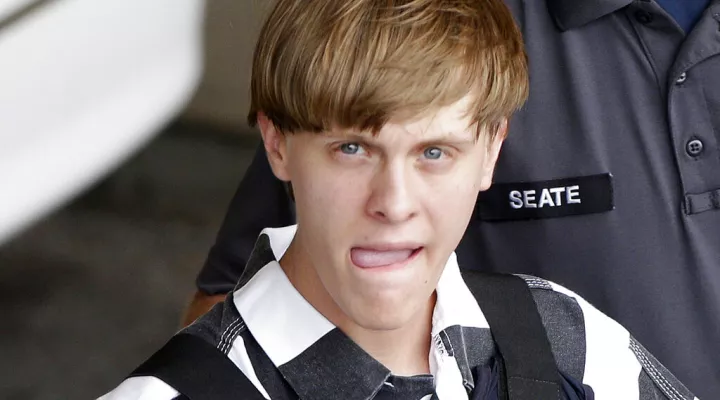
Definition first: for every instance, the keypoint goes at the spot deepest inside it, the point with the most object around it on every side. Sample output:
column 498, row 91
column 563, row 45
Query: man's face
column 378, row 216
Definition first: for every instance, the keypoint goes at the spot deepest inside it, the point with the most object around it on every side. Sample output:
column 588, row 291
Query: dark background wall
column 92, row 290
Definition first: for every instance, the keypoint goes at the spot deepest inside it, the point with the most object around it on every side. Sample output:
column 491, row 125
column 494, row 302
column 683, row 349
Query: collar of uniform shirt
column 570, row 14
column 317, row 359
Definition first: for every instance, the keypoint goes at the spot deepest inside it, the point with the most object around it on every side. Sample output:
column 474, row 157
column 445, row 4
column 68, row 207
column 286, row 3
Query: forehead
column 453, row 120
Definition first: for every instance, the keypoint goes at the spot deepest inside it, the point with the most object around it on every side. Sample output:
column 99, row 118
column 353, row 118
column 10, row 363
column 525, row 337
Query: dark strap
column 519, row 334
column 198, row 370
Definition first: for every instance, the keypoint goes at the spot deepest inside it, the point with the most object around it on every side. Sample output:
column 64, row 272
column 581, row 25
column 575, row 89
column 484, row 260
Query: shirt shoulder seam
column 534, row 282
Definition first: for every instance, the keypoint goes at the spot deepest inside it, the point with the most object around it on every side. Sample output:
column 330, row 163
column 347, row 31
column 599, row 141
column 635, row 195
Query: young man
column 387, row 117
column 624, row 103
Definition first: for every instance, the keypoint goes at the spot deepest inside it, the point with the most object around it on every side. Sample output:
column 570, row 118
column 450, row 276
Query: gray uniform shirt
column 609, row 182
column 617, row 88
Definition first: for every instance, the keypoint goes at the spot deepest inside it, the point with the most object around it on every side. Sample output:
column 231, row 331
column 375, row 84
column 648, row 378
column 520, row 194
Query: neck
column 405, row 350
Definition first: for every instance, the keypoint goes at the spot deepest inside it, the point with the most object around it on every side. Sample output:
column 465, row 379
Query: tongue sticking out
column 364, row 258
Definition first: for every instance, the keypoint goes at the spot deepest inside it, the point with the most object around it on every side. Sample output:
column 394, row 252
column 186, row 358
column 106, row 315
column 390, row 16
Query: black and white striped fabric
column 290, row 351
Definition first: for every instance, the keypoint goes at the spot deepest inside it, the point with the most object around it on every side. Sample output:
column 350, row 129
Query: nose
column 392, row 198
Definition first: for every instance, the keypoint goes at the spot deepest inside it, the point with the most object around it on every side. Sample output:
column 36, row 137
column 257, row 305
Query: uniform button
column 681, row 79
column 643, row 17
column 694, row 147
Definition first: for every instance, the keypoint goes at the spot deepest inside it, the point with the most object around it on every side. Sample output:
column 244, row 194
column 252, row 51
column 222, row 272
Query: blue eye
column 433, row 153
column 350, row 148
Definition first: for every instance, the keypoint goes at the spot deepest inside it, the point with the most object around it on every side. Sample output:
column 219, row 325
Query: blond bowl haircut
column 356, row 64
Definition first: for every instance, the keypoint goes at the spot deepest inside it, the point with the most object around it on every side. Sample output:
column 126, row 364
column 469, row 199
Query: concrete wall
column 232, row 27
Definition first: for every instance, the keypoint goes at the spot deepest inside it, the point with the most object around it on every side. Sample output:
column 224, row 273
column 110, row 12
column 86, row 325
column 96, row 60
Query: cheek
column 456, row 204
column 450, row 203
column 456, row 193
column 326, row 197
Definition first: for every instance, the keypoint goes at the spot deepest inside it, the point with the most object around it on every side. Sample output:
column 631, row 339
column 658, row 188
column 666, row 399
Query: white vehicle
column 84, row 84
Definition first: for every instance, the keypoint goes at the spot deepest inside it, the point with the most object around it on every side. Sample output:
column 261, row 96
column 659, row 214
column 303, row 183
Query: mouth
column 373, row 257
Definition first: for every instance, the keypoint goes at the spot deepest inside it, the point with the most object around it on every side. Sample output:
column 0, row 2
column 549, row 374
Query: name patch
column 546, row 199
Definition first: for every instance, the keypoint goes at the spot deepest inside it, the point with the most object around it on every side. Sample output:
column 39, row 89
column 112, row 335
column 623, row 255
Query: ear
column 491, row 157
column 275, row 144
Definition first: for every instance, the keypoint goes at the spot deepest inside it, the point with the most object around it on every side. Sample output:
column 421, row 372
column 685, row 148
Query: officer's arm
column 261, row 201
column 199, row 305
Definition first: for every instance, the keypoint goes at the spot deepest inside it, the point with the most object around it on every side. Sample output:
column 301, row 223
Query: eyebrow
column 449, row 138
